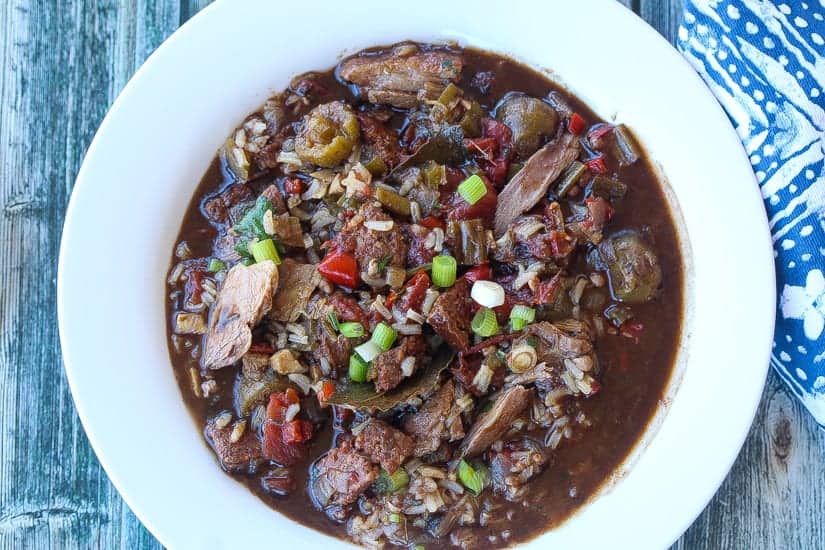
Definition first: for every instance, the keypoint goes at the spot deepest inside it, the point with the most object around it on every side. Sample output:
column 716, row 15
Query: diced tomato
column 500, row 132
column 576, row 124
column 297, row 431
column 431, row 222
column 454, row 177
column 487, row 147
column 481, row 272
column 632, row 330
column 485, row 208
column 416, row 289
column 341, row 268
column 327, row 389
column 275, row 448
column 598, row 132
column 294, row 186
column 348, row 310
column 597, row 165
column 194, row 286
column 554, row 245
column 277, row 406
column 292, row 396
column 600, row 211
column 546, row 291
column 392, row 297
column 497, row 169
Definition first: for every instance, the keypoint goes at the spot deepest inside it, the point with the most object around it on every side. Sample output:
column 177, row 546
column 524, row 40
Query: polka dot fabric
column 765, row 63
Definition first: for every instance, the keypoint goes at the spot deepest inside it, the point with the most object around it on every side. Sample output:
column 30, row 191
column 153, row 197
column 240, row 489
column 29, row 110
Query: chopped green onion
column 247, row 261
column 390, row 483
column 383, row 336
column 216, row 265
column 517, row 323
column 419, row 547
column 265, row 250
column 333, row 321
column 368, row 351
column 526, row 313
column 444, row 269
column 472, row 189
column 472, row 478
column 570, row 177
column 357, row 368
column 484, row 323
column 394, row 518
column 351, row 330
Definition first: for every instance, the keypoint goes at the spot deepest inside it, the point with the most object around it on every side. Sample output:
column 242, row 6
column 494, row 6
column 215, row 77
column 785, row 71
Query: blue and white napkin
column 765, row 63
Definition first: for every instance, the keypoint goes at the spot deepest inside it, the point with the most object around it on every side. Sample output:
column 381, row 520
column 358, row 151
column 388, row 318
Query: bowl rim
column 69, row 313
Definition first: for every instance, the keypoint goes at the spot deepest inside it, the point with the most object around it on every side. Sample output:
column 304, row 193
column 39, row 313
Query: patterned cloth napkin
column 765, row 63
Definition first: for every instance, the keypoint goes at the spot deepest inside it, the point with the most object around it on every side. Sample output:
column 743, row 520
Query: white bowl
column 162, row 132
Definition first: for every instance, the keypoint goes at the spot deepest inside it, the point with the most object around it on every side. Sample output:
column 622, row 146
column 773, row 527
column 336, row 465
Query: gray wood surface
column 62, row 63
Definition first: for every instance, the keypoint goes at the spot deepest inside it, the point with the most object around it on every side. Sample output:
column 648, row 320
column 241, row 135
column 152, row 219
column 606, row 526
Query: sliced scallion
column 368, row 351
column 520, row 311
column 472, row 478
column 472, row 189
column 570, row 178
column 484, row 323
column 351, row 330
column 357, row 368
column 517, row 323
column 444, row 270
column 265, row 250
column 333, row 321
column 216, row 265
column 383, row 336
column 391, row 482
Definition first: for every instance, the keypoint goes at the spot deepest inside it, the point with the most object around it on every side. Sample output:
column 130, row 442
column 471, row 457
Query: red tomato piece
column 416, row 288
column 341, row 268
column 576, row 124
column 431, row 222
column 297, row 431
column 294, row 186
column 597, row 165
column 274, row 447
column 485, row 208
column 481, row 272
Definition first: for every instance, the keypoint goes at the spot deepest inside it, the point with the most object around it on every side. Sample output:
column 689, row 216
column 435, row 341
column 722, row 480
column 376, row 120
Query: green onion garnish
column 390, row 483
column 444, row 269
column 484, row 322
column 472, row 478
column 520, row 311
column 419, row 547
column 265, row 250
column 472, row 189
column 216, row 265
column 394, row 518
column 383, row 336
column 351, row 330
column 517, row 323
column 357, row 368
column 333, row 321
column 368, row 351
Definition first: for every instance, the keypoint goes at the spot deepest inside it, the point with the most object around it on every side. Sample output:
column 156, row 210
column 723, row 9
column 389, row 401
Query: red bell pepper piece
column 294, row 186
column 416, row 288
column 341, row 268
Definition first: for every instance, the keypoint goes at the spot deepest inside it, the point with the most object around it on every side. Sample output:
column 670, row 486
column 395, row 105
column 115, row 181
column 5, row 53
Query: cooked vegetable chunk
column 632, row 267
column 328, row 134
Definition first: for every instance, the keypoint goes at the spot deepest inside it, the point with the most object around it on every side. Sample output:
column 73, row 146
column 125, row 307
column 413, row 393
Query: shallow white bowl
column 161, row 133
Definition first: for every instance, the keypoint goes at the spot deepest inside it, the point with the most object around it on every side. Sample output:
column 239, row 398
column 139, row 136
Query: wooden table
column 63, row 63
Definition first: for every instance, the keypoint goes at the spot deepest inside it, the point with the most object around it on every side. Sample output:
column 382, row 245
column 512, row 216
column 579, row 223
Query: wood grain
column 62, row 63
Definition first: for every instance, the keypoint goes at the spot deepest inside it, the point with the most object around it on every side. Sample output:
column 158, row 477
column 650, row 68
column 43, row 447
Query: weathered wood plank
column 61, row 65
